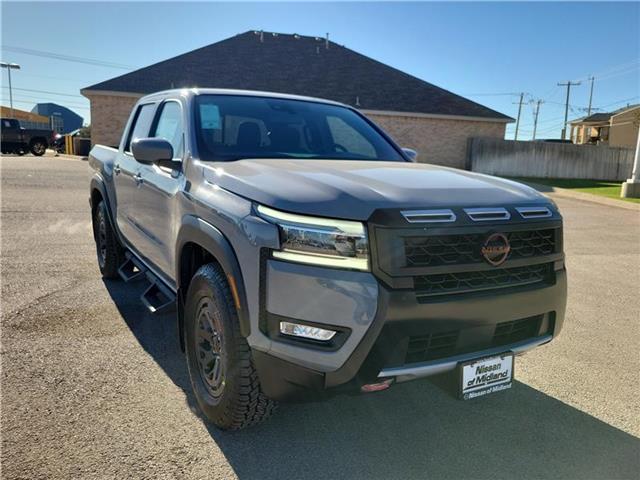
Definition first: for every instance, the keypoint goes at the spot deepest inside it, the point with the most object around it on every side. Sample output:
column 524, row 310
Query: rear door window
column 141, row 124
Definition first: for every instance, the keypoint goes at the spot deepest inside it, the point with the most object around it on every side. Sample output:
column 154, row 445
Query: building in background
column 616, row 129
column 63, row 120
column 417, row 114
column 27, row 119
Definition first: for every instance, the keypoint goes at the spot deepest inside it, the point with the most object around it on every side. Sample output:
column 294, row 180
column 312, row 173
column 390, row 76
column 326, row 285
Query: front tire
column 223, row 377
column 108, row 248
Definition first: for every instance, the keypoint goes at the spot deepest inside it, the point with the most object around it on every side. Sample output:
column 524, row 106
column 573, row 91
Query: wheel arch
column 199, row 243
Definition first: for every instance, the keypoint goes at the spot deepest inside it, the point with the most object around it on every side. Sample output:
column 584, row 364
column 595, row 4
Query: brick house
column 417, row 114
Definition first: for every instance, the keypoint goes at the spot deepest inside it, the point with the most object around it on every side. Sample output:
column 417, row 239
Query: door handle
column 116, row 169
column 138, row 179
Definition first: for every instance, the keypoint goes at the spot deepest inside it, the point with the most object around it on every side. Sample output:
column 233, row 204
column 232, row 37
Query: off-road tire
column 108, row 248
column 240, row 401
column 38, row 148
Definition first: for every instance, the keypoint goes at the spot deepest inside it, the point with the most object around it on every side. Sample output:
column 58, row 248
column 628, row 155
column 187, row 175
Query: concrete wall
column 109, row 115
column 438, row 140
column 549, row 160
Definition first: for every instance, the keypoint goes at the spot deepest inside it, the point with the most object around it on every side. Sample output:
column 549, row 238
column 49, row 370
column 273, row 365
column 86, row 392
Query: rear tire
column 108, row 248
column 38, row 148
column 223, row 377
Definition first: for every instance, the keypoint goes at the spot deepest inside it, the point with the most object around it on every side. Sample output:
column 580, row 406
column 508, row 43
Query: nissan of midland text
column 306, row 254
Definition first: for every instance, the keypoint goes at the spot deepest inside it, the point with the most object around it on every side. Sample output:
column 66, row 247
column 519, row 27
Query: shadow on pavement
column 413, row 430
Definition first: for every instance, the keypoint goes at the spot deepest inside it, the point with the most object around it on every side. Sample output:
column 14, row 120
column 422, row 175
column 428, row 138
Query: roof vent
column 534, row 212
column 327, row 42
column 487, row 214
column 274, row 34
column 296, row 36
column 429, row 216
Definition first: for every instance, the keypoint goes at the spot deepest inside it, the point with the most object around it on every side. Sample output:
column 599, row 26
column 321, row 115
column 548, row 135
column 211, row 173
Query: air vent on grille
column 487, row 214
column 465, row 282
column 429, row 216
column 431, row 346
column 516, row 330
column 534, row 212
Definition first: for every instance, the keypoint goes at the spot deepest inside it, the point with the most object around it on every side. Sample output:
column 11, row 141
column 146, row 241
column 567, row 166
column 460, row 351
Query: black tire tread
column 250, row 405
column 115, row 252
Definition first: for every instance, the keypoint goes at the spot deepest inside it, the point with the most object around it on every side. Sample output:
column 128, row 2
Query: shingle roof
column 300, row 65
column 594, row 118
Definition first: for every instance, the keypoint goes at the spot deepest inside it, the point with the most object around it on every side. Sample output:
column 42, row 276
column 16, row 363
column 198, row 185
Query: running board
column 158, row 298
column 131, row 269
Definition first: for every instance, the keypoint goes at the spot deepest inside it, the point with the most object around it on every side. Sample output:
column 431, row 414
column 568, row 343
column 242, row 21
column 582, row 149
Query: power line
column 39, row 99
column 31, row 102
column 66, row 58
column 47, row 91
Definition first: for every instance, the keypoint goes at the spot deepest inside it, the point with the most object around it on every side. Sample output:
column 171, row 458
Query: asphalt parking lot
column 94, row 387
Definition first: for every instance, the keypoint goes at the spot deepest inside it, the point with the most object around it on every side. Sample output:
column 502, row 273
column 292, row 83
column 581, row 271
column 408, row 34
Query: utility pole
column 518, row 119
column 566, row 106
column 9, row 67
column 535, row 118
column 591, row 95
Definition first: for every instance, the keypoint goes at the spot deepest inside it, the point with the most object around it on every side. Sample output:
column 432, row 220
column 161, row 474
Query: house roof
column 300, row 65
column 593, row 118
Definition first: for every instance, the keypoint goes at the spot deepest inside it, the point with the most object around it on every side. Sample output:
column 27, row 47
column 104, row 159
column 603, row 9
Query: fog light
column 306, row 331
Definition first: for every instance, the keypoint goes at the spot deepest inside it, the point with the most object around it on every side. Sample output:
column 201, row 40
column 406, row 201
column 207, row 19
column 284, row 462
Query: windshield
column 233, row 127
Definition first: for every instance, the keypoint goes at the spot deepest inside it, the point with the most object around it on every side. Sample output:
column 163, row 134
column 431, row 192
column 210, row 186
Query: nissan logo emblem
column 495, row 249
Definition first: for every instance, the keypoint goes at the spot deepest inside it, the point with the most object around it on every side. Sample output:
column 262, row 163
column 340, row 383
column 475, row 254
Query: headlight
column 319, row 241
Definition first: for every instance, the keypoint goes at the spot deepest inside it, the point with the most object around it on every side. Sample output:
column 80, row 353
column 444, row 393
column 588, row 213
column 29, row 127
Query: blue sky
column 484, row 51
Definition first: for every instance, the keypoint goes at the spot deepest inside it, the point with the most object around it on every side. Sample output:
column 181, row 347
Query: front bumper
column 381, row 344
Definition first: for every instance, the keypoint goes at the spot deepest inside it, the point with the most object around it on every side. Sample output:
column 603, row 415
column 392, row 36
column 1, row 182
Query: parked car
column 16, row 139
column 306, row 254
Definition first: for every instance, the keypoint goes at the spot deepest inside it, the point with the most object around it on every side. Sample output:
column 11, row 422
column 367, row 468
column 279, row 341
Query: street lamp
column 9, row 67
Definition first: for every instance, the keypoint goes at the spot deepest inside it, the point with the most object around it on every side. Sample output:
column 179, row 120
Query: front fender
column 195, row 230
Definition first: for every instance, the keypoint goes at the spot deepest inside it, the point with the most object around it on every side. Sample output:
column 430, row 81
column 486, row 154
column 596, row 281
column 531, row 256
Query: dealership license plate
column 486, row 375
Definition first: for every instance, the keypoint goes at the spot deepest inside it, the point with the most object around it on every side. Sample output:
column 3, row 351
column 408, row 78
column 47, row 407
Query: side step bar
column 132, row 269
column 158, row 298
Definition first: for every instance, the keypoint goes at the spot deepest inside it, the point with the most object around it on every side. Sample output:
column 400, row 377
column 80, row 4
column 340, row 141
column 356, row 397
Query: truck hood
column 354, row 189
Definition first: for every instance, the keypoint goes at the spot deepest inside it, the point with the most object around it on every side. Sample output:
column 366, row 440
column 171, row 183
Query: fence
column 549, row 160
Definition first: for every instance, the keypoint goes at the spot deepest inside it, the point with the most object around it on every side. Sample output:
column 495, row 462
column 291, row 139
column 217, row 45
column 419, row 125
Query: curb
column 587, row 197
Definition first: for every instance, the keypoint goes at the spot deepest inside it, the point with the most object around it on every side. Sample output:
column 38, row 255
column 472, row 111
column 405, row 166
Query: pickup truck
column 16, row 139
column 306, row 254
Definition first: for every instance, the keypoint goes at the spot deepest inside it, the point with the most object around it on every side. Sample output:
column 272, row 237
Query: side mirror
column 411, row 154
column 154, row 151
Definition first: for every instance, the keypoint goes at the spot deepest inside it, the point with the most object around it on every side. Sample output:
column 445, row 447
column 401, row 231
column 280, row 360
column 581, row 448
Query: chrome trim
column 429, row 216
column 534, row 212
column 426, row 369
column 487, row 214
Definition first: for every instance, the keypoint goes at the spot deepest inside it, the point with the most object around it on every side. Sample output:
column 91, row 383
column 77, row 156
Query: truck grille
column 434, row 346
column 463, row 282
column 438, row 250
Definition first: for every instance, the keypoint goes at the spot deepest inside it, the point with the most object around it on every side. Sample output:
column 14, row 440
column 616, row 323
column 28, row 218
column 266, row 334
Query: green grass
column 602, row 188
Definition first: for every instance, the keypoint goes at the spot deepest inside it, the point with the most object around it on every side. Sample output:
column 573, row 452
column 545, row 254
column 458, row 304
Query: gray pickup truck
column 16, row 139
column 306, row 254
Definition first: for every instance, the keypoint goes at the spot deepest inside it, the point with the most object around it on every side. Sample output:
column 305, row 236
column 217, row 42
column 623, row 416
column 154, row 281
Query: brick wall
column 109, row 115
column 438, row 140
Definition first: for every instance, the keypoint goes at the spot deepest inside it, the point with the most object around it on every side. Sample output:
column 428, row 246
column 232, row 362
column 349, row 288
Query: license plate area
column 486, row 375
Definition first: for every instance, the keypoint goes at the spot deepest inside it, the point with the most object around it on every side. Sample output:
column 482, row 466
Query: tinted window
column 141, row 124
column 169, row 126
column 230, row 127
